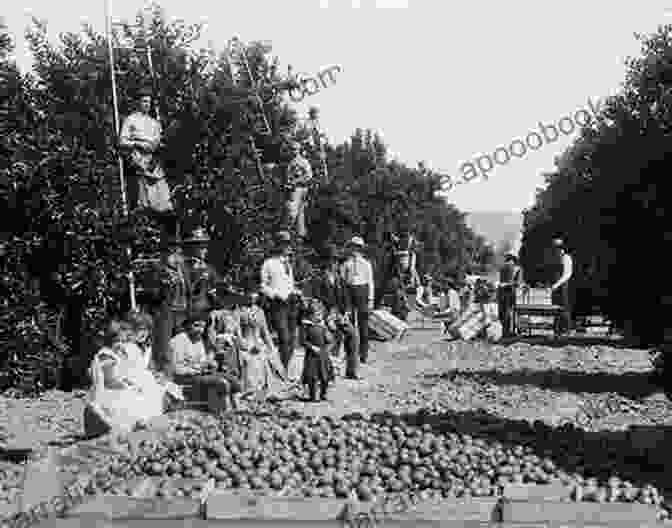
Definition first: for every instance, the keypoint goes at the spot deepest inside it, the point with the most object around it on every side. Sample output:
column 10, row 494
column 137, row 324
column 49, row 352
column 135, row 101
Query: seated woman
column 124, row 394
column 255, row 362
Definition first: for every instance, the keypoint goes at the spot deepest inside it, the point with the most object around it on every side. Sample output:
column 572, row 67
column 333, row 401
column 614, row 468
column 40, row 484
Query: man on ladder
column 298, row 179
column 140, row 137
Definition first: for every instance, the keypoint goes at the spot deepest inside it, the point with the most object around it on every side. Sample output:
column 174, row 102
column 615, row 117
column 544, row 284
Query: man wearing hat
column 202, row 277
column 173, row 309
column 331, row 291
column 358, row 276
column 561, row 294
column 279, row 289
column 299, row 176
column 141, row 137
column 510, row 277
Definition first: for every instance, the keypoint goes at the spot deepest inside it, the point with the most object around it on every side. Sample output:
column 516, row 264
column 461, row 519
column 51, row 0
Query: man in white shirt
column 358, row 276
column 277, row 285
column 141, row 137
column 561, row 295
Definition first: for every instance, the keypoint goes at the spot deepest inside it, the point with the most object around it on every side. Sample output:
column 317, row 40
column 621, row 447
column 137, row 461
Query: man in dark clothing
column 172, row 311
column 510, row 277
column 203, row 279
column 331, row 290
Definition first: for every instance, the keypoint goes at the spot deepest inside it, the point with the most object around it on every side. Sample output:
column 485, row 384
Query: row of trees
column 607, row 197
column 64, row 236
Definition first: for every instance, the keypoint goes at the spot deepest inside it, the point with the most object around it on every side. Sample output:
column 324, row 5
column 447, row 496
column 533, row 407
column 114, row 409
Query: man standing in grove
column 173, row 308
column 358, row 276
column 141, row 136
column 561, row 294
column 509, row 279
column 202, row 277
column 277, row 285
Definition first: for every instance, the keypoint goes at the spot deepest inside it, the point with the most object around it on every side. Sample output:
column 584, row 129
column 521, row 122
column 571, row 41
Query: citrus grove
column 59, row 185
column 437, row 420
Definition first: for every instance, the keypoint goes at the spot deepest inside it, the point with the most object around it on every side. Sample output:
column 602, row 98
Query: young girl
column 142, row 326
column 317, row 368
column 254, row 359
column 124, row 394
column 227, row 355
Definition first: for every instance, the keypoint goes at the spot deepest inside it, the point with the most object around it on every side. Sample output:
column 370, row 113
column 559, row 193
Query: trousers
column 561, row 297
column 506, row 300
column 359, row 297
column 283, row 320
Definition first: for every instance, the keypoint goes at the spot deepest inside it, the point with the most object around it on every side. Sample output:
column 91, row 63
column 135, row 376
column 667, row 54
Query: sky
column 441, row 83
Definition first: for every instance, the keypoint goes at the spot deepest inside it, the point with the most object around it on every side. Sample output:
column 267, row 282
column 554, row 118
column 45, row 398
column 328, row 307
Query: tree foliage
column 607, row 198
column 59, row 176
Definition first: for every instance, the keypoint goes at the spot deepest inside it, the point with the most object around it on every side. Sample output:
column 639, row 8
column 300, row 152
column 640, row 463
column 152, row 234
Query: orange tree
column 60, row 177
column 607, row 198
column 59, row 180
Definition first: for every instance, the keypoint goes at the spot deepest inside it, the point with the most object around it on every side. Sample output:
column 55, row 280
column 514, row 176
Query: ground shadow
column 591, row 454
column 571, row 340
column 16, row 455
column 633, row 385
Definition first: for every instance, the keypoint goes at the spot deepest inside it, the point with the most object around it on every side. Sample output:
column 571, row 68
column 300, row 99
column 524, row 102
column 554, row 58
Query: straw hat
column 357, row 241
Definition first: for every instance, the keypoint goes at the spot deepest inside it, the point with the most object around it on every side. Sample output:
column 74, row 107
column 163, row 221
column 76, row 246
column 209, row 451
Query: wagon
column 534, row 310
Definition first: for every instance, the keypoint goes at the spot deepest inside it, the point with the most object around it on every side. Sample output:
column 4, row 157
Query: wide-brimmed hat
column 357, row 241
column 198, row 236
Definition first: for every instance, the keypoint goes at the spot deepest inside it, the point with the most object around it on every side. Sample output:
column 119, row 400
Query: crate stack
column 534, row 296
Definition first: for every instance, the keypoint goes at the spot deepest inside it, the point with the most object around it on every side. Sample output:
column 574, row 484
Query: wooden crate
column 113, row 507
column 553, row 492
column 229, row 505
column 579, row 513
column 477, row 510
column 534, row 296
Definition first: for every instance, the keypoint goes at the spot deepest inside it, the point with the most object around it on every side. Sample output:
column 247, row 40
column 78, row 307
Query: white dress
column 124, row 391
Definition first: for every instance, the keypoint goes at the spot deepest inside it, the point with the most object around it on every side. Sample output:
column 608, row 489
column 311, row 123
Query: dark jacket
column 202, row 280
column 333, row 296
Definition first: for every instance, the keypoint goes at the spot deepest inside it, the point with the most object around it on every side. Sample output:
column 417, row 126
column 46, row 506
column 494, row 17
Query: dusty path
column 595, row 387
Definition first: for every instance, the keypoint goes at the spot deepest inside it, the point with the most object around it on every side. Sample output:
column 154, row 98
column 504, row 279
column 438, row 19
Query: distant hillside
column 496, row 227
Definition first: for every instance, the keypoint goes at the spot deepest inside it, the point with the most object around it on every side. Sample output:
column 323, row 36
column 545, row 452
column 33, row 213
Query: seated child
column 227, row 355
column 317, row 340
column 142, row 324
